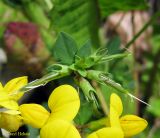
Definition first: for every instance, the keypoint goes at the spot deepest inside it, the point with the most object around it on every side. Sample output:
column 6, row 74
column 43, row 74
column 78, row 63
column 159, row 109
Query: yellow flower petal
column 107, row 133
column 34, row 114
column 132, row 125
column 6, row 102
column 116, row 103
column 64, row 103
column 114, row 118
column 12, row 112
column 14, row 85
column 12, row 105
column 1, row 87
column 59, row 129
column 116, row 109
column 9, row 122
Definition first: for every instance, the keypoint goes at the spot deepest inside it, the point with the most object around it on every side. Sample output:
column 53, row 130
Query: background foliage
column 83, row 26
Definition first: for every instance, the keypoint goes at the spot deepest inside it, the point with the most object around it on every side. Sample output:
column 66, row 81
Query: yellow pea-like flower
column 132, row 125
column 116, row 109
column 116, row 103
column 10, row 118
column 34, row 114
column 107, row 133
column 120, row 127
column 10, row 122
column 9, row 95
column 59, row 129
column 15, row 85
column 64, row 104
column 7, row 102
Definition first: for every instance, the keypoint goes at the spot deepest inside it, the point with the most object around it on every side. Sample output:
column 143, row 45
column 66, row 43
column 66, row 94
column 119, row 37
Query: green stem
column 101, row 98
column 95, row 125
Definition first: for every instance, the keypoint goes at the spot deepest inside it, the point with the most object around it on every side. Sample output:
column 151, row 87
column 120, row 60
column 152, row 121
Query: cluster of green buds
column 79, row 63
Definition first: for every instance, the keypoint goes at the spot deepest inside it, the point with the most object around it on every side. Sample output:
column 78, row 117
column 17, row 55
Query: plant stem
column 101, row 98
column 154, row 128
column 154, row 17
column 150, row 83
column 53, row 75
column 136, row 73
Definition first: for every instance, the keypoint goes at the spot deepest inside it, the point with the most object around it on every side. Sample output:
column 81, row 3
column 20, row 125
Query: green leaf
column 113, row 45
column 65, row 49
column 109, row 6
column 84, row 57
column 155, row 42
column 85, row 50
column 78, row 18
column 154, row 108
column 84, row 113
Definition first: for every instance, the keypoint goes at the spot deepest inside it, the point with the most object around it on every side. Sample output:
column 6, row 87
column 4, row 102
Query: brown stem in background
column 119, row 22
column 136, row 36
column 154, row 128
column 150, row 84
column 136, row 73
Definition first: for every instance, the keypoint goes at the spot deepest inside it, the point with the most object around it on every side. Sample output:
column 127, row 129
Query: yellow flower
column 120, row 127
column 34, row 114
column 9, row 116
column 8, row 95
column 64, row 104
column 10, row 122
